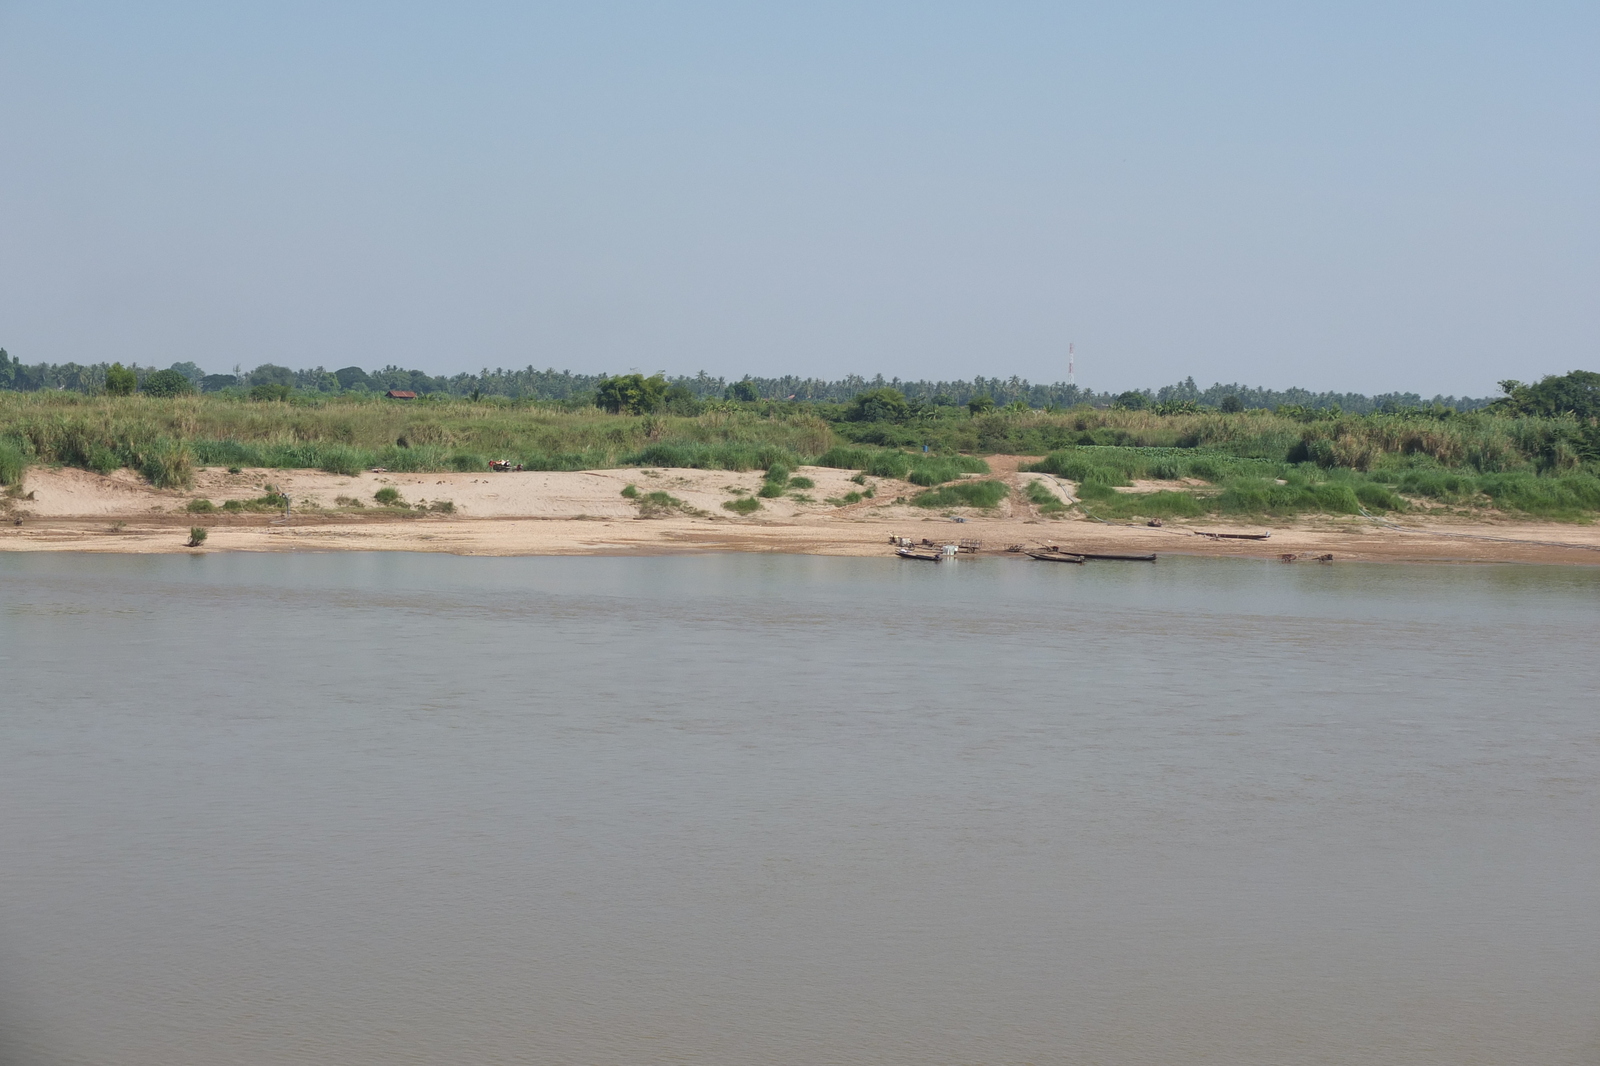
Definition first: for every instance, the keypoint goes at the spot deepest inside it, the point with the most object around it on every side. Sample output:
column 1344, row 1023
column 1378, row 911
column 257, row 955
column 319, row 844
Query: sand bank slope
column 584, row 512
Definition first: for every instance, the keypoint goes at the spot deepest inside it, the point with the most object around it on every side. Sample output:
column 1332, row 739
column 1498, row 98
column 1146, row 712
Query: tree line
column 270, row 381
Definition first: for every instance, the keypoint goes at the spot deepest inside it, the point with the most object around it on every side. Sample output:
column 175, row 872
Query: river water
column 395, row 809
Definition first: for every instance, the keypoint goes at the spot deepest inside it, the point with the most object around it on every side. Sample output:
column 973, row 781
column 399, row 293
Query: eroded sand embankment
column 585, row 513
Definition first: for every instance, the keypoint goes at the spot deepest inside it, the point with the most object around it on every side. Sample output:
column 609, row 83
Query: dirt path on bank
column 585, row 513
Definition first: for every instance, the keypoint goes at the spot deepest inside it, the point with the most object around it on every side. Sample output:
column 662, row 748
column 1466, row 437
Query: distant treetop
column 1576, row 394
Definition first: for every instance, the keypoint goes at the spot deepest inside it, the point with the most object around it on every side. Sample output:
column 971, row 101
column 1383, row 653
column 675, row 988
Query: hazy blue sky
column 1364, row 196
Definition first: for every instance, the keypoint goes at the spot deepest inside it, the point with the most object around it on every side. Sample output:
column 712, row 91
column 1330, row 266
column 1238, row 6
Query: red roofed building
column 400, row 394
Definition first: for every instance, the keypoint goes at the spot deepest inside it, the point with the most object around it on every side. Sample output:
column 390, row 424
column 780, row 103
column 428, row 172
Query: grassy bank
column 1236, row 485
column 165, row 439
column 1260, row 462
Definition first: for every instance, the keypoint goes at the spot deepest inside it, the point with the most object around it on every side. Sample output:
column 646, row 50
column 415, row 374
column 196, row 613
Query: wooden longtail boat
column 1124, row 557
column 923, row 556
column 1233, row 536
column 1056, row 557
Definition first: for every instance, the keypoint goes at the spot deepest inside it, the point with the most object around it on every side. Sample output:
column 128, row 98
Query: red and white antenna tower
column 1070, row 361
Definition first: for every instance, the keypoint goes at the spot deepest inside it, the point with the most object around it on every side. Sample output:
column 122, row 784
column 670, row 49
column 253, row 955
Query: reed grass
column 346, row 435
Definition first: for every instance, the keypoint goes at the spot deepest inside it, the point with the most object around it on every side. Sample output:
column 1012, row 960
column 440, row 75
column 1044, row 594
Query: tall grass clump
column 331, row 457
column 724, row 455
column 12, row 462
column 936, row 470
column 1164, row 504
column 166, row 464
column 984, row 494
column 415, row 459
column 1548, row 497
column 1120, row 465
column 918, row 469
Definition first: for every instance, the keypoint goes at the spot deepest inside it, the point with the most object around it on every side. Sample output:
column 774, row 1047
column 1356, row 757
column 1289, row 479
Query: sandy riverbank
column 584, row 513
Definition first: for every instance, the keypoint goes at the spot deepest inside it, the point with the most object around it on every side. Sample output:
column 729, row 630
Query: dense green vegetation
column 1256, row 486
column 1536, row 451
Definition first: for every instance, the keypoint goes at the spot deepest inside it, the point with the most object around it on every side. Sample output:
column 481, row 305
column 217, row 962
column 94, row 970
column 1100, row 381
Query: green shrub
column 120, row 381
column 269, row 393
column 770, row 490
column 389, row 496
column 802, row 483
column 200, row 507
column 963, row 494
column 167, row 383
column 630, row 492
column 660, row 504
column 466, row 462
column 197, row 536
column 743, row 505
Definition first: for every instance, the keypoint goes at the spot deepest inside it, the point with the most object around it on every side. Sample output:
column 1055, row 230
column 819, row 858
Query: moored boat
column 1055, row 557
